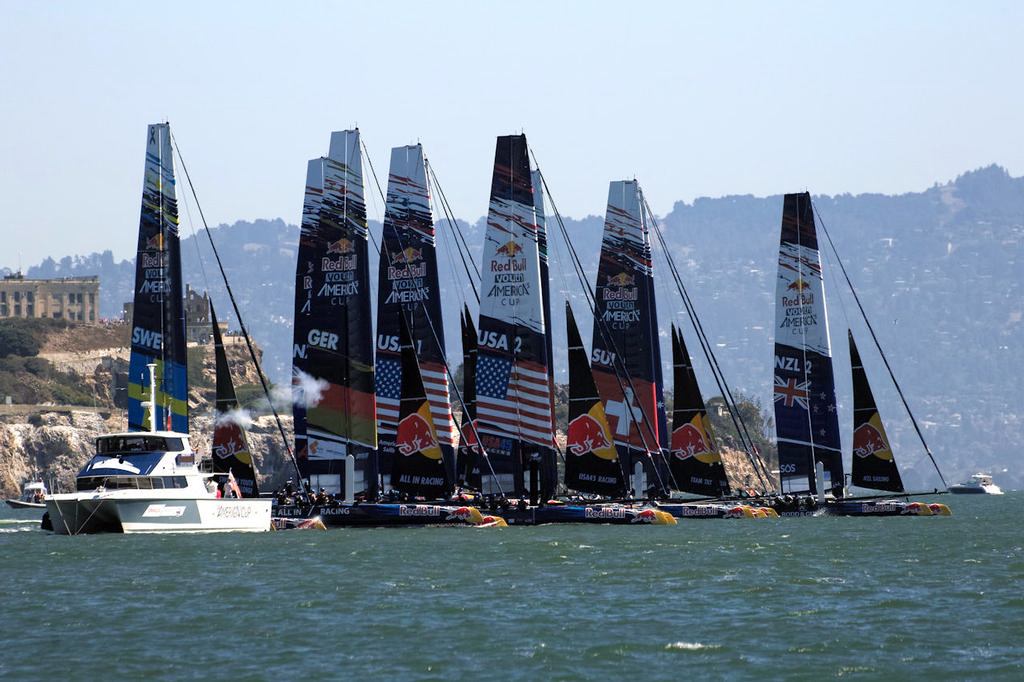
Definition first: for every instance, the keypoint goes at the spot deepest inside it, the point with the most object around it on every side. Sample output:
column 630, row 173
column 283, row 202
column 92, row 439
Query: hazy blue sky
column 692, row 98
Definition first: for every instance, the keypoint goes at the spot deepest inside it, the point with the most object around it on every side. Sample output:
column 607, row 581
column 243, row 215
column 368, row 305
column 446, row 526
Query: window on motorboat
column 132, row 444
column 130, row 482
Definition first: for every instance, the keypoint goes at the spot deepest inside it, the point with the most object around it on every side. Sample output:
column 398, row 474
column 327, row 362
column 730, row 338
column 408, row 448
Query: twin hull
column 79, row 513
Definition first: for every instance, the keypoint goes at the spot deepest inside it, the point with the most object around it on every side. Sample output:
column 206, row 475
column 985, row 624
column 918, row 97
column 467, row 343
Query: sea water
column 937, row 598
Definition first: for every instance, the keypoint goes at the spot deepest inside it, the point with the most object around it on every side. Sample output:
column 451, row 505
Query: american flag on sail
column 388, row 376
column 514, row 398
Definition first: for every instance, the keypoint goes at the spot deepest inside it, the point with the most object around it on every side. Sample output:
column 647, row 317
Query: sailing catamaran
column 806, row 416
column 148, row 480
column 408, row 289
column 334, row 385
column 626, row 355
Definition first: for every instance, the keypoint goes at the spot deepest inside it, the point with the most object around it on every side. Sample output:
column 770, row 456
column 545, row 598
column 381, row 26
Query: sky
column 693, row 99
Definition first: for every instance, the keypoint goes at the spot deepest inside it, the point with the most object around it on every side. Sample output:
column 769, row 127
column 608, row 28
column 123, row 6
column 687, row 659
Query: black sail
column 696, row 462
column 873, row 463
column 591, row 460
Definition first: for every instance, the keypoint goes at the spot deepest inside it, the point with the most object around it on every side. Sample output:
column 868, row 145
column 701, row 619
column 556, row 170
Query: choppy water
column 792, row 598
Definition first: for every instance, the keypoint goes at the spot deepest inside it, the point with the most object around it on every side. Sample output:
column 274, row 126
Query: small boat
column 33, row 496
column 811, row 472
column 978, row 484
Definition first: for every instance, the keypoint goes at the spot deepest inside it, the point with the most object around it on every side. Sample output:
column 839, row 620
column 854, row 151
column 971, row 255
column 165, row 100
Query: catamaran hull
column 348, row 515
column 863, row 508
column 85, row 515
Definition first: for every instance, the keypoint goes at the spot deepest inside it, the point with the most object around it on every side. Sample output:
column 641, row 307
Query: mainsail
column 309, row 248
column 231, row 453
column 333, row 350
column 591, row 459
column 696, row 463
column 408, row 285
column 158, row 315
column 806, row 422
column 873, row 463
column 513, row 400
column 419, row 467
column 626, row 357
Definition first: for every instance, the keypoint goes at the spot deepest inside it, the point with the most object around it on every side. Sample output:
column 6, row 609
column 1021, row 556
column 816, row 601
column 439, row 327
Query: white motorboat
column 33, row 496
column 979, row 484
column 149, row 482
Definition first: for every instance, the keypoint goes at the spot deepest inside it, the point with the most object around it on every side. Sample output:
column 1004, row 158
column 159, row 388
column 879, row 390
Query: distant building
column 75, row 299
column 197, row 316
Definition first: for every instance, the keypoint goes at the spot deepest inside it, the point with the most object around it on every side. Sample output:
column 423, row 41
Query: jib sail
column 696, row 462
column 873, row 463
column 231, row 453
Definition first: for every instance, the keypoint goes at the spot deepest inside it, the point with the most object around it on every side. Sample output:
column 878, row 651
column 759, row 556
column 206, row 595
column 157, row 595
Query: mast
column 513, row 400
column 626, row 357
column 873, row 463
column 806, row 421
column 333, row 351
column 231, row 452
column 408, row 286
column 696, row 462
column 158, row 314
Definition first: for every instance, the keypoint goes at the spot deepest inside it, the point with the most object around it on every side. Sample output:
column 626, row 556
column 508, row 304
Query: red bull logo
column 689, row 441
column 229, row 445
column 646, row 516
column 586, row 435
column 407, row 255
column 341, row 246
column 868, row 440
column 620, row 280
column 469, row 515
column 156, row 242
column 798, row 285
column 414, row 435
column 509, row 249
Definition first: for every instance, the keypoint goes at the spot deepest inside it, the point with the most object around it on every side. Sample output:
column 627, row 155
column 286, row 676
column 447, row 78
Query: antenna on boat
column 151, row 403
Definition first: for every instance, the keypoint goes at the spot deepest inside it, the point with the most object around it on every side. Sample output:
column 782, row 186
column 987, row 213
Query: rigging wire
column 878, row 345
column 238, row 314
column 622, row 376
column 753, row 456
